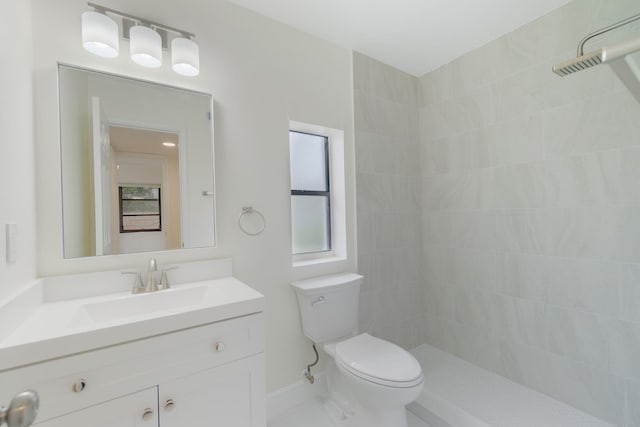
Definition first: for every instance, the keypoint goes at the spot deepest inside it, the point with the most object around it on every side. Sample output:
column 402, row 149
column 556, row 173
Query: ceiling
column 142, row 141
column 416, row 36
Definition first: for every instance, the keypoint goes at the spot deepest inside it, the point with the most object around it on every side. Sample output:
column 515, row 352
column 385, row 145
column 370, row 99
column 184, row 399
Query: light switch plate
column 11, row 238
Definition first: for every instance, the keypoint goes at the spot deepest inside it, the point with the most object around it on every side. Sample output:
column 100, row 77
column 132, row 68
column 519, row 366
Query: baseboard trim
column 295, row 394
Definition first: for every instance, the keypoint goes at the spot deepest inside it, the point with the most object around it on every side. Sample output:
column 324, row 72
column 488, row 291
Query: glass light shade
column 100, row 34
column 185, row 57
column 146, row 46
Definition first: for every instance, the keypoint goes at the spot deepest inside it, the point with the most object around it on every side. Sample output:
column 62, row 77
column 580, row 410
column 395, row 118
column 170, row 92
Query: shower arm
column 605, row 30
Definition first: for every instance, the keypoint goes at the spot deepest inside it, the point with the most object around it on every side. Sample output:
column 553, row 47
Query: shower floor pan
column 459, row 394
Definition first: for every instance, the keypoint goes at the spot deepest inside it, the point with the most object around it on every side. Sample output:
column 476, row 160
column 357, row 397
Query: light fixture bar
column 143, row 21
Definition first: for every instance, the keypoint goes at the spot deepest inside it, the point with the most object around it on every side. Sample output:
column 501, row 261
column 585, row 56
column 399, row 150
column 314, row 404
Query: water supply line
column 307, row 373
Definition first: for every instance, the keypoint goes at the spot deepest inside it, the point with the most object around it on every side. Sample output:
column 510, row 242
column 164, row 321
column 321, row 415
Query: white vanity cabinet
column 204, row 376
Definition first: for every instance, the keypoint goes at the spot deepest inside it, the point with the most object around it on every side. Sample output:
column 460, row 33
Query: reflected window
column 140, row 209
column 310, row 193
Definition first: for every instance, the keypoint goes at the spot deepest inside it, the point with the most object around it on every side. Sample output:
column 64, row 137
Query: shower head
column 578, row 64
column 605, row 55
column 619, row 56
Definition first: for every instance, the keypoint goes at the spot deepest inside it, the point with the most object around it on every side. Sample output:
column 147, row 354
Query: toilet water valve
column 307, row 373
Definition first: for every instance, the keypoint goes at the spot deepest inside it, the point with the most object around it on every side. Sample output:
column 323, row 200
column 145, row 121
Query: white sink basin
column 165, row 301
column 52, row 329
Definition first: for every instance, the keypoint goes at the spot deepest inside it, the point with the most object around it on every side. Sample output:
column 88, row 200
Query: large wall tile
column 593, row 390
column 590, row 285
column 516, row 141
column 630, row 292
column 473, row 344
column 474, row 269
column 578, row 335
column 630, row 176
column 603, row 123
column 522, row 320
column 521, row 276
column 477, row 309
column 389, row 201
column 516, row 231
column 633, row 404
column 624, row 345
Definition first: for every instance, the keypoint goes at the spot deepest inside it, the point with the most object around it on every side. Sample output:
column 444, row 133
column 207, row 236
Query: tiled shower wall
column 388, row 201
column 531, row 214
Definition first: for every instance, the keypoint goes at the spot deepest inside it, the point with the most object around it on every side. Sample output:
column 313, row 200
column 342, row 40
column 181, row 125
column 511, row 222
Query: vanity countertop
column 55, row 329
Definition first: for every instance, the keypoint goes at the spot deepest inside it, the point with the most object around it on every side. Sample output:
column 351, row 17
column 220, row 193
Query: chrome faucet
column 151, row 285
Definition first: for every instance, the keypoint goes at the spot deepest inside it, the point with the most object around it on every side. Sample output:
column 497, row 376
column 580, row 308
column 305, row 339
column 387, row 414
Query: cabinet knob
column 169, row 405
column 79, row 385
column 147, row 414
column 22, row 410
column 219, row 346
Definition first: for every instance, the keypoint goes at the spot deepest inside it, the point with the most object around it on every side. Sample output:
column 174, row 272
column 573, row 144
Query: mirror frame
column 48, row 180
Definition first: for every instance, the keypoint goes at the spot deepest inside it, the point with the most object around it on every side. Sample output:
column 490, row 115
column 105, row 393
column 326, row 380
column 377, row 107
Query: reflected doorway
column 145, row 190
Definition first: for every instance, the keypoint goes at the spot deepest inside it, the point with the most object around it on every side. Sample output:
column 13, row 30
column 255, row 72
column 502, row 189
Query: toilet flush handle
column 319, row 300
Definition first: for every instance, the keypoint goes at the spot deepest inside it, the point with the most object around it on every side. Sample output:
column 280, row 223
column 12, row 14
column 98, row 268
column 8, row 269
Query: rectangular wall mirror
column 137, row 165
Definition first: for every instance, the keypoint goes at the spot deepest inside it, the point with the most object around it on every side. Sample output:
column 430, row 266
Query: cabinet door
column 126, row 411
column 231, row 395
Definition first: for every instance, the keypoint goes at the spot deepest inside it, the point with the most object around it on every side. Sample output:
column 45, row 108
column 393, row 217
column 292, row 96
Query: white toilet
column 370, row 379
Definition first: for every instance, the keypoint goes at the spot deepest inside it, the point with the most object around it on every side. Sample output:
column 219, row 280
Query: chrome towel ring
column 248, row 210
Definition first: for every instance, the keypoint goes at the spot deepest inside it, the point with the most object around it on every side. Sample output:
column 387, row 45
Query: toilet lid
column 379, row 361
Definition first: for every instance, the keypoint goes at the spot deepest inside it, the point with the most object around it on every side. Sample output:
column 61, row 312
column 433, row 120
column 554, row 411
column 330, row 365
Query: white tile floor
column 312, row 414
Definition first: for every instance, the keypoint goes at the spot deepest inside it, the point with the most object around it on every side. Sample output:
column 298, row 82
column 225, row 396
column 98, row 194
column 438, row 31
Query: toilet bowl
column 373, row 378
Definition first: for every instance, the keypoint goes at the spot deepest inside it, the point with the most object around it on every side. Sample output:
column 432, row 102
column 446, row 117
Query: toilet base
column 359, row 416
column 345, row 409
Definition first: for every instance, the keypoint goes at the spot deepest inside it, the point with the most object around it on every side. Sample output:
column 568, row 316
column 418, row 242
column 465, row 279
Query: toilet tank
column 329, row 306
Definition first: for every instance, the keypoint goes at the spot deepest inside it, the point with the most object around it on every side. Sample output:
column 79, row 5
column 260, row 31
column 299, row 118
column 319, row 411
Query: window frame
column 315, row 193
column 121, row 213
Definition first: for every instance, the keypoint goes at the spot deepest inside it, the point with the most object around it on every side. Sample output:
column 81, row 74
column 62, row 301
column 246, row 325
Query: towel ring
column 248, row 210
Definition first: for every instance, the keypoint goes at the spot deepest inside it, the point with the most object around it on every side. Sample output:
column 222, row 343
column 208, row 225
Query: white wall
column 16, row 142
column 261, row 74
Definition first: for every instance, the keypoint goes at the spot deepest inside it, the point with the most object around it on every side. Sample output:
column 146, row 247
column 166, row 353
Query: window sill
column 318, row 261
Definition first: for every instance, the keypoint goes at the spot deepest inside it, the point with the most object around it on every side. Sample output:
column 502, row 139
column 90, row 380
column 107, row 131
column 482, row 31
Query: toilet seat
column 378, row 361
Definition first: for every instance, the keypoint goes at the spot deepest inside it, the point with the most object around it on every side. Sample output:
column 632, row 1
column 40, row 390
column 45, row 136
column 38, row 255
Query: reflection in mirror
column 137, row 165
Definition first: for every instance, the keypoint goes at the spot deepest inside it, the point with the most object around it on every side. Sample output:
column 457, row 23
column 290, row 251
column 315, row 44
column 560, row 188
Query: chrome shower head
column 603, row 55
column 619, row 56
column 578, row 64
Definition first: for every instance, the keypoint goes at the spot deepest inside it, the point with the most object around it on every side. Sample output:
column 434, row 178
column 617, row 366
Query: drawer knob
column 147, row 414
column 219, row 346
column 79, row 385
column 22, row 410
column 169, row 405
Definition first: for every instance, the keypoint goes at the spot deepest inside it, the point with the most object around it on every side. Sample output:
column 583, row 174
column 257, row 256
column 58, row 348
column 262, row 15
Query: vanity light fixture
column 169, row 144
column 185, row 56
column 145, row 46
column 100, row 34
column 147, row 40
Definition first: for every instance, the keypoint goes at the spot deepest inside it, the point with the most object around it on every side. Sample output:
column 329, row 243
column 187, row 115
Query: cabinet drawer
column 71, row 383
column 134, row 410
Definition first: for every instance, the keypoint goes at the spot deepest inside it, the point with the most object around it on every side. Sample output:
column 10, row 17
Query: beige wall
column 261, row 74
column 17, row 188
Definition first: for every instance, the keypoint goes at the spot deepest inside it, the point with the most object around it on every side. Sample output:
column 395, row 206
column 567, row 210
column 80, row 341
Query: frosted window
column 308, row 162
column 310, row 224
